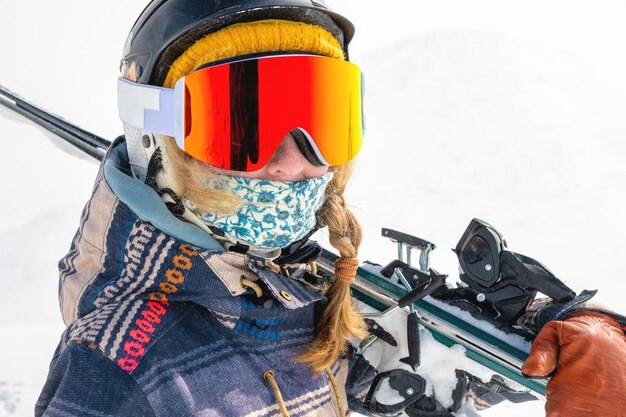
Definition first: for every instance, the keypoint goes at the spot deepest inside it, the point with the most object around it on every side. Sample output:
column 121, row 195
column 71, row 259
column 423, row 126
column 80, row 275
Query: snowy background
column 513, row 112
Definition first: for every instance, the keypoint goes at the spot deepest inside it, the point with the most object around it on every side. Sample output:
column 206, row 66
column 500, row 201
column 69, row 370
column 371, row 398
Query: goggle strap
column 152, row 109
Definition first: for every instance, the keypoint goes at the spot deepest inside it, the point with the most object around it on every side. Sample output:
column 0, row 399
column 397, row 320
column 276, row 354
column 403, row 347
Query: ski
column 91, row 144
column 491, row 351
column 483, row 313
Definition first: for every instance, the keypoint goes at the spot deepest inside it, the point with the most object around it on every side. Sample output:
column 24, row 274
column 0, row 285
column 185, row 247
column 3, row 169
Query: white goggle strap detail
column 319, row 155
column 153, row 109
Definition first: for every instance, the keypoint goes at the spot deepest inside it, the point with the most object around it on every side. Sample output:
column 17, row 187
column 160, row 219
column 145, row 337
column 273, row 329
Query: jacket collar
column 146, row 203
column 127, row 235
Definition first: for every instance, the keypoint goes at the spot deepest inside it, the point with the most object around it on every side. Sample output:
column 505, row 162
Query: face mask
column 272, row 214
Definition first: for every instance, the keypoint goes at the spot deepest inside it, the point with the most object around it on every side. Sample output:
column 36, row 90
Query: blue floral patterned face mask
column 272, row 214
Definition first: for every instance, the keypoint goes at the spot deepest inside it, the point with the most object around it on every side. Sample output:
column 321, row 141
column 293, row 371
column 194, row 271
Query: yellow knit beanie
column 260, row 36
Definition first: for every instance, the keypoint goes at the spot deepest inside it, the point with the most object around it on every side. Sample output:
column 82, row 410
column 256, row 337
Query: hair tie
column 345, row 269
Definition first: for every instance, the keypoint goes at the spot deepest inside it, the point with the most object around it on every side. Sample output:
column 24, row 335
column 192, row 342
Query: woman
column 190, row 287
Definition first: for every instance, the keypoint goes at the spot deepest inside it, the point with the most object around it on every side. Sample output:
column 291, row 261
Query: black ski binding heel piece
column 499, row 284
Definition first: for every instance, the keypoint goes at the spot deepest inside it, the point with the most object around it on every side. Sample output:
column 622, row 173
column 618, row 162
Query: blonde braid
column 340, row 320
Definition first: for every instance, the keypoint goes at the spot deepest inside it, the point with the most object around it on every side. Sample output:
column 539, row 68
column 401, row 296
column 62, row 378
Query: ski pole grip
column 421, row 291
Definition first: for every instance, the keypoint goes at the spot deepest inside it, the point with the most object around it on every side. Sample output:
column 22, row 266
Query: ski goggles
column 235, row 115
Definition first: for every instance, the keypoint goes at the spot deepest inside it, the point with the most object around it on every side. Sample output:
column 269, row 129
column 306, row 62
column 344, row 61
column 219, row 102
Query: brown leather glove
column 587, row 352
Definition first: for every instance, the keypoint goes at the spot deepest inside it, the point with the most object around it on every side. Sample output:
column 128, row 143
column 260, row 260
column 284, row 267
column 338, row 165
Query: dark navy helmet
column 166, row 28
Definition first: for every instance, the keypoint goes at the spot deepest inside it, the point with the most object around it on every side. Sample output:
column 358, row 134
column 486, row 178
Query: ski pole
column 93, row 145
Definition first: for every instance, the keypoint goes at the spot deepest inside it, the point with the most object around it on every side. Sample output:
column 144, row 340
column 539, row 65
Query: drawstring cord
column 333, row 382
column 273, row 265
column 269, row 377
column 253, row 285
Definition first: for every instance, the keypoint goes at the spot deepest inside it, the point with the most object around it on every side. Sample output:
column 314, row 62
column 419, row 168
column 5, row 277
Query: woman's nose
column 288, row 163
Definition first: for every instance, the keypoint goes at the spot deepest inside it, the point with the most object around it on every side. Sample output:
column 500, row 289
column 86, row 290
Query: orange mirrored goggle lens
column 237, row 114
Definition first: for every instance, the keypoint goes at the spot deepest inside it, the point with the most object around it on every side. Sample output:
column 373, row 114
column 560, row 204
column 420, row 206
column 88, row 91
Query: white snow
column 438, row 363
column 512, row 339
column 387, row 395
column 512, row 112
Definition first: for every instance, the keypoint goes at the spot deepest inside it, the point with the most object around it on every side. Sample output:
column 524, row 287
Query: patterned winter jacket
column 159, row 323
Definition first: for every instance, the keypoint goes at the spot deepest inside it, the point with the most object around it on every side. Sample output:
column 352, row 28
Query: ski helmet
column 166, row 28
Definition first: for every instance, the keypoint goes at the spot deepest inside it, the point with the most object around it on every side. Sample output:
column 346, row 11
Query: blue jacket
column 159, row 323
